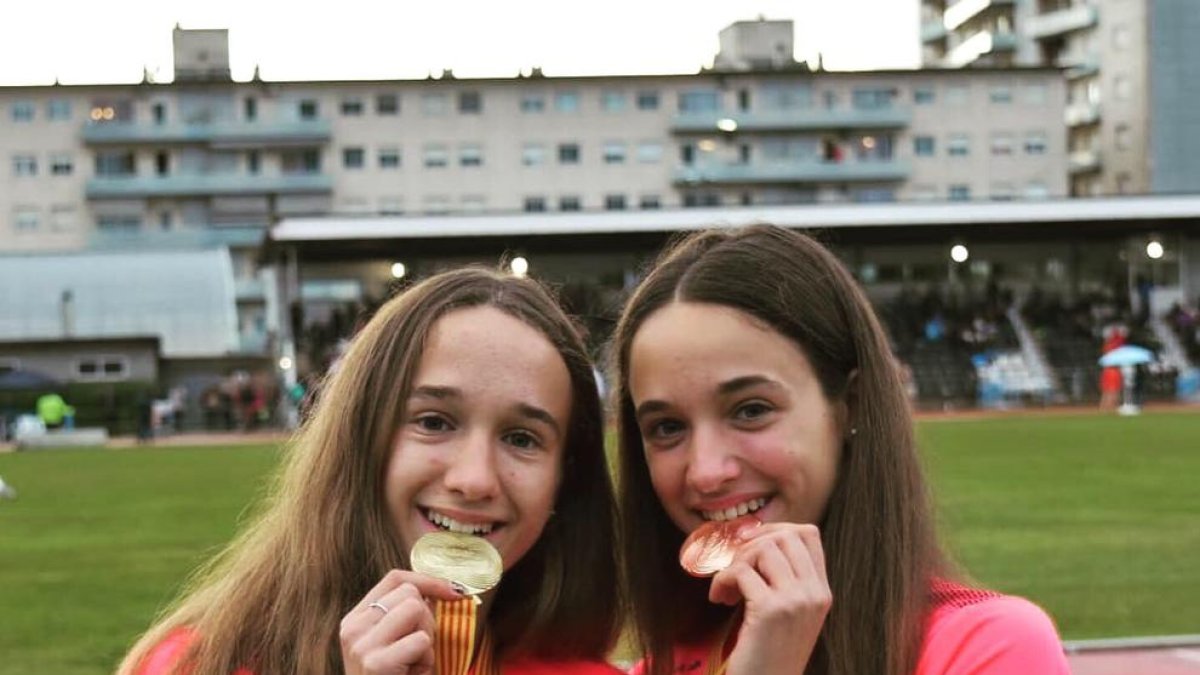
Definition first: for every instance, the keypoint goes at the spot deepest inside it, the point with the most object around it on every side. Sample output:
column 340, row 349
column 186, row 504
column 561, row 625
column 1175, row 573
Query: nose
column 471, row 473
column 712, row 464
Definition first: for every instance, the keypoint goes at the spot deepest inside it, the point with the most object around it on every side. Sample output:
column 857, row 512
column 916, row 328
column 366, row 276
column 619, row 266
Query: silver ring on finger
column 379, row 606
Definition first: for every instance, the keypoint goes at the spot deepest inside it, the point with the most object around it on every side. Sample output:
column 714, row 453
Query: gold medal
column 710, row 547
column 464, row 559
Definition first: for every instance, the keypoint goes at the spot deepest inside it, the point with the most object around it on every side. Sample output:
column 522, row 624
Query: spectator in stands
column 776, row 395
column 468, row 400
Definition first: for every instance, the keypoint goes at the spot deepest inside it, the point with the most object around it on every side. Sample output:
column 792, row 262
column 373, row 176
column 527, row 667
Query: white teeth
column 735, row 511
column 448, row 523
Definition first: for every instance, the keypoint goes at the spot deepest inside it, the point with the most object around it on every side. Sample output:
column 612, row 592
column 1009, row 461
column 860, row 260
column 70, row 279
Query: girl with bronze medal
column 774, row 518
column 446, row 509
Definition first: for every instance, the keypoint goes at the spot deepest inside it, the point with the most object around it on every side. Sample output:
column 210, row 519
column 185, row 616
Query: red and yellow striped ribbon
column 454, row 645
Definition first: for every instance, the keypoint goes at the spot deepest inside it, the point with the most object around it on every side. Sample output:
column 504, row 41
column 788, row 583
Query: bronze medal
column 710, row 547
column 461, row 558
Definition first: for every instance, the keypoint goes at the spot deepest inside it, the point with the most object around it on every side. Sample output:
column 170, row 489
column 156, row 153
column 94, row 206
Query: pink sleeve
column 638, row 668
column 1002, row 636
column 165, row 654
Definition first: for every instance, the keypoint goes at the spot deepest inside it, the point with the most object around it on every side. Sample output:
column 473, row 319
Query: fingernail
column 458, row 588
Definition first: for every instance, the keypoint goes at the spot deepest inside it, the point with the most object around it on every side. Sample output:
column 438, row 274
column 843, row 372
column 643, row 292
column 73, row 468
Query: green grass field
column 1096, row 518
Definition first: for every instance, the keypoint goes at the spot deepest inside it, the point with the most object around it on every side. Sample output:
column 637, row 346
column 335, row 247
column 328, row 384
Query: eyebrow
column 524, row 409
column 723, row 389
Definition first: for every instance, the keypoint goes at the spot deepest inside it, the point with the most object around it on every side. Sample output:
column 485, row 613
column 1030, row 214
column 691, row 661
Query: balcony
column 221, row 134
column 1059, row 22
column 207, row 185
column 933, row 31
column 184, row 238
column 791, row 120
column 979, row 45
column 249, row 290
column 1078, row 67
column 809, row 171
column 964, row 10
column 1083, row 161
column 1080, row 114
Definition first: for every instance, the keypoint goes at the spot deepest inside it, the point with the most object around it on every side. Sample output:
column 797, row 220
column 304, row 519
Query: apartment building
column 1131, row 66
column 204, row 162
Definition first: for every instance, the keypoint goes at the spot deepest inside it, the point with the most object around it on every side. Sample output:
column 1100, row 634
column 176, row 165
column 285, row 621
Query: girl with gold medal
column 446, row 510
column 763, row 418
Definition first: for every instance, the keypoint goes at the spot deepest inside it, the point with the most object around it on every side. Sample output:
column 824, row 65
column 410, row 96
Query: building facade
column 1131, row 69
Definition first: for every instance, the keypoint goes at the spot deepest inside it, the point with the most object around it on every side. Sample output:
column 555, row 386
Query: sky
column 111, row 41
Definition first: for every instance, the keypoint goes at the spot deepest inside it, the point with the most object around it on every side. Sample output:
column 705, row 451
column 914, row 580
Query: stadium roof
column 1183, row 209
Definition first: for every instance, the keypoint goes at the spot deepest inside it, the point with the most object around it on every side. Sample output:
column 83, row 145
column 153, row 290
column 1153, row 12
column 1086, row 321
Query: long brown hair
column 878, row 532
column 273, row 600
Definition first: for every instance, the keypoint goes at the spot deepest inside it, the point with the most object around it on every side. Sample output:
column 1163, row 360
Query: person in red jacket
column 467, row 404
column 758, row 398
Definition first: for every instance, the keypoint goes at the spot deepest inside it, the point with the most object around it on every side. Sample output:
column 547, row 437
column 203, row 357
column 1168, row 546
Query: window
column 308, row 109
column 162, row 163
column 700, row 101
column 1002, row 192
column 470, row 154
column 25, row 218
column 535, row 204
column 566, row 101
column 253, row 162
column 250, row 108
column 1036, row 190
column 958, row 145
column 612, row 101
column 872, row 99
column 533, row 154
column 387, row 104
column 924, row 96
column 24, row 165
column 743, row 99
column 568, row 153
column 389, row 158
column 873, row 195
column 102, row 368
column 1000, row 94
column 647, row 100
column 1035, row 143
column 614, row 202
column 470, row 102
column 434, row 104
column 1123, row 137
column 923, row 146
column 569, row 203
column 436, row 205
column 473, row 203
column 352, row 107
column 533, row 102
column 62, row 164
column 1035, row 93
column 649, row 202
column 435, row 156
column 391, row 206
column 119, row 222
column 58, row 109
column 159, row 113
column 785, row 96
column 960, row 193
column 649, row 152
column 956, row 94
column 115, row 163
column 299, row 162
column 62, row 218
column 614, row 152
column 353, row 158
column 1002, row 143
column 22, row 111
column 1122, row 88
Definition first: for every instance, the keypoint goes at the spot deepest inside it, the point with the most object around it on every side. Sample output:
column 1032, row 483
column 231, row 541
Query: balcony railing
column 979, row 45
column 249, row 289
column 809, row 171
column 1052, row 24
column 215, row 133
column 187, row 185
column 1079, row 114
column 789, row 120
column 964, row 10
column 1084, row 161
column 933, row 31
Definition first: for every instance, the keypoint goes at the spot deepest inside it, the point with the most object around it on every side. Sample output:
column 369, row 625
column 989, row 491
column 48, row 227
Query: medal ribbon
column 454, row 644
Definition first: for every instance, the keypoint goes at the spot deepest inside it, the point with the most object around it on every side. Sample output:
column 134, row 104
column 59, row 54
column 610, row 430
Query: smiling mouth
column 449, row 524
column 749, row 506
